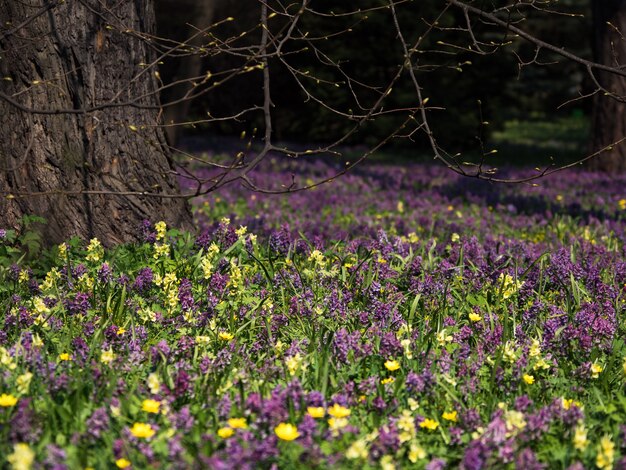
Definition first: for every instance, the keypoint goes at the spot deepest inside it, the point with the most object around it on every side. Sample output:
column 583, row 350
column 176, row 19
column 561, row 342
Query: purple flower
column 98, row 422
column 436, row 464
column 79, row 305
column 143, row 281
column 183, row 420
column 55, row 458
column 147, row 231
column 528, row 460
column 104, row 273
column 476, row 455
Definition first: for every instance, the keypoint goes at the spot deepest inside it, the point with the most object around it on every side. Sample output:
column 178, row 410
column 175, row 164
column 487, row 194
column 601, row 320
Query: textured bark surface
column 75, row 56
column 609, row 115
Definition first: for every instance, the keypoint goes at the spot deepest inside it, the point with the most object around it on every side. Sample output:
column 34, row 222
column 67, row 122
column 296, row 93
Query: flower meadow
column 399, row 317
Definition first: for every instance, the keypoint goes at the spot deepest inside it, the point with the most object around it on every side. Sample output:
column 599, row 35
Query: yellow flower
column 107, row 356
column 23, row 382
column 392, row 365
column 151, row 406
column 406, row 425
column 154, row 384
column 7, row 400
column 142, row 430
column 429, row 424
column 450, row 416
column 286, row 432
column 567, row 403
column 225, row 433
column 416, row 453
column 120, row 331
column 65, row 357
column 535, row 348
column 529, row 379
column 161, row 250
column 122, row 463
column 596, row 369
column 94, row 250
column 580, row 437
column 622, row 204
column 316, row 411
column 22, row 457
column 606, row 453
column 386, row 463
column 238, row 423
column 474, row 317
column 358, row 450
column 62, row 250
column 225, row 336
column 455, row 237
column 388, row 380
column 336, row 424
column 338, row 411
column 293, row 363
column 515, row 421
column 161, row 228
column 37, row 341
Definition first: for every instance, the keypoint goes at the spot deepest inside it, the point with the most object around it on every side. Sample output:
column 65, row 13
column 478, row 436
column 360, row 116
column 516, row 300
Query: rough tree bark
column 75, row 56
column 609, row 115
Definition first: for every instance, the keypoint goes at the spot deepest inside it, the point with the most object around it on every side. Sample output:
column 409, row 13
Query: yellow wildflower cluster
column 62, row 250
column 508, row 285
column 235, row 280
column 23, row 382
column 317, row 257
column 596, row 369
column 206, row 264
column 534, row 352
column 154, row 383
column 169, row 282
column 295, row 363
column 22, row 457
column 6, row 360
column 580, row 437
column 358, row 450
column 107, row 356
column 161, row 250
column 85, row 282
column 161, row 230
column 406, row 426
column 510, row 352
column 95, row 251
column 514, row 421
column 49, row 282
column 606, row 453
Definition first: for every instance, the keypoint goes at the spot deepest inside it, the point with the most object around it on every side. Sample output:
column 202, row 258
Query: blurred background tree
column 91, row 89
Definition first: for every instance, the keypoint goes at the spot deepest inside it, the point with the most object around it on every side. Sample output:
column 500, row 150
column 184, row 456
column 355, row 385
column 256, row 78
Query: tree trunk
column 75, row 56
column 609, row 114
